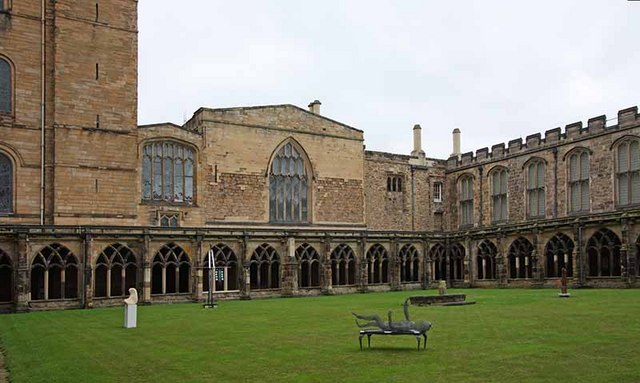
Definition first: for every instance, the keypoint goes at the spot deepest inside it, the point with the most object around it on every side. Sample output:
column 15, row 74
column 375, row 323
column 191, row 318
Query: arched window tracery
column 168, row 170
column 486, row 260
column 603, row 252
column 225, row 276
column 343, row 266
column 288, row 186
column 116, row 272
column 264, row 268
column 6, row 184
column 377, row 264
column 519, row 256
column 559, row 254
column 409, row 264
column 308, row 266
column 54, row 274
column 171, row 271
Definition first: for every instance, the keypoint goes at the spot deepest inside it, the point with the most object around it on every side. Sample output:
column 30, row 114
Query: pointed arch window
column 264, row 268
column 288, row 186
column 168, row 172
column 536, row 189
column 456, row 262
column 499, row 195
column 6, row 184
column 409, row 263
column 603, row 253
column 628, row 173
column 438, row 259
column 116, row 272
column 5, row 86
column 377, row 264
column 466, row 201
column 6, row 277
column 559, row 254
column 54, row 274
column 308, row 266
column 486, row 260
column 579, row 182
column 171, row 271
column 343, row 266
column 520, row 264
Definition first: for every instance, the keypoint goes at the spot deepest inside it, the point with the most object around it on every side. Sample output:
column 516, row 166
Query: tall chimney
column 456, row 143
column 314, row 107
column 417, row 142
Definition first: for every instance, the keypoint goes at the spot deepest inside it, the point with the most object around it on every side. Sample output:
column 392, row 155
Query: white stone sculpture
column 131, row 309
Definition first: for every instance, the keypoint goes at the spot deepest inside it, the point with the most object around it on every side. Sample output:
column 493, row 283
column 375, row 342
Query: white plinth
column 130, row 316
column 564, row 295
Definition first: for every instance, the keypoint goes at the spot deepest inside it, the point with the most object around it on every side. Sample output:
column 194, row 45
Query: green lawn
column 508, row 336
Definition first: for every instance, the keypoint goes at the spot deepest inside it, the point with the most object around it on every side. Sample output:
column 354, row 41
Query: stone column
column 197, row 268
column 426, row 265
column 501, row 270
column 394, row 263
column 326, row 277
column 579, row 270
column 289, row 280
column 363, row 277
column 146, row 267
column 537, row 258
column 87, row 290
column 470, row 260
column 447, row 261
column 245, row 271
column 23, row 287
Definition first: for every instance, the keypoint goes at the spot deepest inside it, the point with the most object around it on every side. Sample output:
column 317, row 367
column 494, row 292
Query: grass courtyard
column 508, row 336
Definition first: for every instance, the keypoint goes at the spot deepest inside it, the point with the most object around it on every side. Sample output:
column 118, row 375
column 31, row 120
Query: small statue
column 563, row 284
column 133, row 297
column 442, row 287
column 398, row 326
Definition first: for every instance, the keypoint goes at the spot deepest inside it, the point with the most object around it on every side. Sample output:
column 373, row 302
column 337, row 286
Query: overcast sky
column 498, row 70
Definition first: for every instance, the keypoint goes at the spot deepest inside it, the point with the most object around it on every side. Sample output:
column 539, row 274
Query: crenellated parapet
column 574, row 132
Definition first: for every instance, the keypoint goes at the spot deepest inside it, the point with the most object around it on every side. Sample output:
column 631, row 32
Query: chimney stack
column 456, row 143
column 314, row 107
column 417, row 142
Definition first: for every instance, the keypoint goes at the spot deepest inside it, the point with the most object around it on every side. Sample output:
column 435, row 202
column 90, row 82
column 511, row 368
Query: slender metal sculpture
column 212, row 262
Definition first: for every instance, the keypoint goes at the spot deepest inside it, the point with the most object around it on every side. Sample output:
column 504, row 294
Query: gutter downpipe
column 42, row 106
column 413, row 199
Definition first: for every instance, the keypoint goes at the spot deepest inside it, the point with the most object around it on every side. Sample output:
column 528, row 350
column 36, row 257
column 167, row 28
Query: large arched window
column 438, row 257
column 486, row 260
column 225, row 277
column 628, row 172
column 579, row 181
column 264, row 269
column 536, row 189
column 54, row 274
column 409, row 264
column 603, row 252
column 343, row 266
column 520, row 258
column 168, row 172
column 559, row 254
column 308, row 266
column 6, row 184
column 171, row 271
column 5, row 87
column 116, row 272
column 466, row 200
column 499, row 195
column 456, row 262
column 288, row 186
column 6, row 277
column 377, row 264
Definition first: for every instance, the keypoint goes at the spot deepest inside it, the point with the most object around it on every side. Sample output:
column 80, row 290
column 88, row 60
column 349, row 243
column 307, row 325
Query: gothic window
column 535, row 189
column 343, row 266
column 225, row 275
column 466, row 200
column 116, row 272
column 437, row 192
column 559, row 253
column 499, row 195
column 168, row 172
column 438, row 259
column 169, row 219
column 5, row 85
column 288, row 186
column 377, row 264
column 54, row 274
column 6, row 277
column 409, row 264
column 394, row 183
column 486, row 260
column 456, row 262
column 265, row 268
column 520, row 258
column 171, row 271
column 603, row 252
column 6, row 184
column 308, row 266
column 579, row 182
column 628, row 173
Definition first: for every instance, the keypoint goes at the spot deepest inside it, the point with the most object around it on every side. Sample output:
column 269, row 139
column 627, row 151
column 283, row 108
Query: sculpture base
column 130, row 316
column 564, row 295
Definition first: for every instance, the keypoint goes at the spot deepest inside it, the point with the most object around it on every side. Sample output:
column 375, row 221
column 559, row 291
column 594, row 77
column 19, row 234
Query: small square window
column 394, row 184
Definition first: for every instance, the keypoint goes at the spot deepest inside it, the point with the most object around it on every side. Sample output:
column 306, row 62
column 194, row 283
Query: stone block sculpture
column 131, row 309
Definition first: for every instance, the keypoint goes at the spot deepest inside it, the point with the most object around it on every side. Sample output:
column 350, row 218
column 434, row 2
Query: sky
column 495, row 69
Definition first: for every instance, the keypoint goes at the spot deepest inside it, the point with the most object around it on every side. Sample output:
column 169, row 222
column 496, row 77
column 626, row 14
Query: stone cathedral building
column 289, row 200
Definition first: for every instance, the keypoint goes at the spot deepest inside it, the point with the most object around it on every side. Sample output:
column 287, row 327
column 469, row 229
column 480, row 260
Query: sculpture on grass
column 406, row 325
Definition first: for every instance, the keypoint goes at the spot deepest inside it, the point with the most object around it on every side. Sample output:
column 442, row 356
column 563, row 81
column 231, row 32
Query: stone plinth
column 130, row 316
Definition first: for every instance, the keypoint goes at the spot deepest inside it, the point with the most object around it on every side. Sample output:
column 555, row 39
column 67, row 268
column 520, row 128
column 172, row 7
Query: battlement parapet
column 627, row 118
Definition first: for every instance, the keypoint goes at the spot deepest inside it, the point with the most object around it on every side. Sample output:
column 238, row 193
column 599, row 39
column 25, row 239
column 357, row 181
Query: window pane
column 584, row 166
column 540, row 175
column 168, row 179
column 623, row 158
column 288, row 186
column 503, row 182
column 6, row 184
column 575, row 197
column 531, row 179
column 146, row 174
column 5, row 86
column 634, row 155
column 504, row 208
column 635, row 187
column 157, row 177
column 573, row 168
column 623, row 189
column 541, row 202
column 178, row 179
column 585, row 195
column 533, row 202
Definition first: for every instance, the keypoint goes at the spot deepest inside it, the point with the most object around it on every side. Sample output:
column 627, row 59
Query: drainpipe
column 42, row 107
column 480, row 170
column 555, row 182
